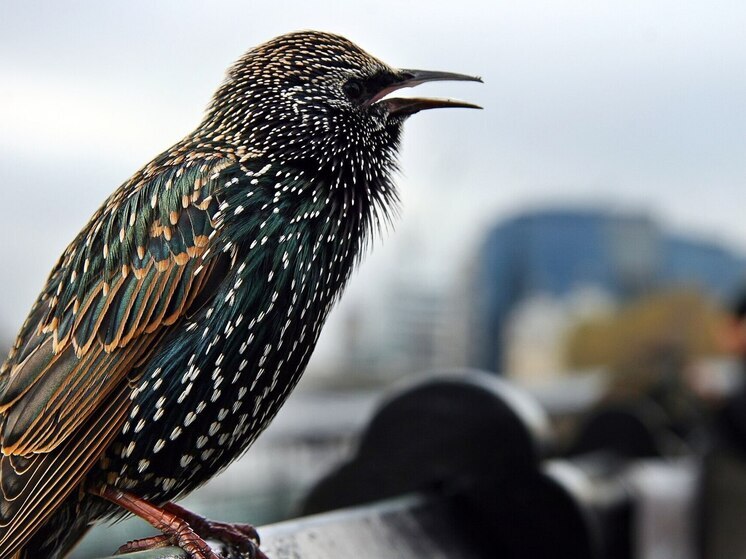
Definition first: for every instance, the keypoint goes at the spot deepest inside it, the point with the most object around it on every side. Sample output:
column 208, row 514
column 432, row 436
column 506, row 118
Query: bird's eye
column 353, row 89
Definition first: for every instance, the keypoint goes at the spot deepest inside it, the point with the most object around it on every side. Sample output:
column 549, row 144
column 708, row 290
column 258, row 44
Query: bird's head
column 317, row 96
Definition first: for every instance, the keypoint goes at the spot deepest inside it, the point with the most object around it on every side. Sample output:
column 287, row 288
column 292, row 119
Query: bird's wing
column 137, row 268
column 34, row 486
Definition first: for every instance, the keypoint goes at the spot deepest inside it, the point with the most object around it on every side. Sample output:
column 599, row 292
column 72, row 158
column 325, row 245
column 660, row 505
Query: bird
column 180, row 318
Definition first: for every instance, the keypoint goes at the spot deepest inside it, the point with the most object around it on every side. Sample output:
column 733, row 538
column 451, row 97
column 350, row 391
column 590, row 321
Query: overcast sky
column 634, row 105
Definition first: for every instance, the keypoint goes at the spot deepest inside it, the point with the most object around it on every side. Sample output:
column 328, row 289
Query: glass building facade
column 554, row 252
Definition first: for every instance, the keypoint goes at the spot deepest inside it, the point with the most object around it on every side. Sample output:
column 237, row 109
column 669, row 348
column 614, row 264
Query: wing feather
column 138, row 267
column 32, row 491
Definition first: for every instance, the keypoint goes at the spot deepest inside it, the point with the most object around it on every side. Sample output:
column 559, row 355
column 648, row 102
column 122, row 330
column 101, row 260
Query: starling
column 177, row 322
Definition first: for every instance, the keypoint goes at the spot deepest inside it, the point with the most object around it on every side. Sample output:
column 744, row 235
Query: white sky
column 636, row 104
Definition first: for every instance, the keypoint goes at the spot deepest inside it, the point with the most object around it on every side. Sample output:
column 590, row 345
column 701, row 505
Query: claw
column 176, row 530
column 242, row 537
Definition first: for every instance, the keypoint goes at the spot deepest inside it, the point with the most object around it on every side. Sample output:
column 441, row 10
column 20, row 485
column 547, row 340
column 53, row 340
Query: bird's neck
column 267, row 200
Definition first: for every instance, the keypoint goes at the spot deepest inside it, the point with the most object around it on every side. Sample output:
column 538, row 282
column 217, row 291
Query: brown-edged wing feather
column 69, row 384
column 33, row 486
column 138, row 267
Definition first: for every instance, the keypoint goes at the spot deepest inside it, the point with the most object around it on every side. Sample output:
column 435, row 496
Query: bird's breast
column 207, row 394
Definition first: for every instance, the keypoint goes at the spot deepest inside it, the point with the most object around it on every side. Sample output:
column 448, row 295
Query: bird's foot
column 242, row 538
column 176, row 530
column 153, row 542
column 165, row 540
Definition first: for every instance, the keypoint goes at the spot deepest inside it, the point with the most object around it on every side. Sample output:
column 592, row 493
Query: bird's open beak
column 401, row 106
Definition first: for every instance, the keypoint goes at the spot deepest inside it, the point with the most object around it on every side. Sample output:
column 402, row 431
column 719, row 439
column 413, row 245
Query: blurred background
column 583, row 235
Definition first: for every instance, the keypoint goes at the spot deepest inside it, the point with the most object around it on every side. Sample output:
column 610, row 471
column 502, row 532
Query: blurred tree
column 648, row 344
column 648, row 347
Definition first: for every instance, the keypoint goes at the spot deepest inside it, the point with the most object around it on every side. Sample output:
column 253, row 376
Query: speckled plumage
column 177, row 322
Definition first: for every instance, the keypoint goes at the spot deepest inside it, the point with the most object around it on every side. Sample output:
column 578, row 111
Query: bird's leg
column 177, row 529
column 243, row 537
column 153, row 542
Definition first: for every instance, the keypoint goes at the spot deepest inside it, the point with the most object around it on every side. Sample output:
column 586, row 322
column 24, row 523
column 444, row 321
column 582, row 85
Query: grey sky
column 637, row 104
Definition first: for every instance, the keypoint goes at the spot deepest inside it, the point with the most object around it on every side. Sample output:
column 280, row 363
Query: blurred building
column 536, row 332
column 704, row 264
column 536, row 259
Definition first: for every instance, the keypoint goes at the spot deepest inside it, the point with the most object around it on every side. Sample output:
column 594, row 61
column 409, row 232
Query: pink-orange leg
column 153, row 542
column 177, row 530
